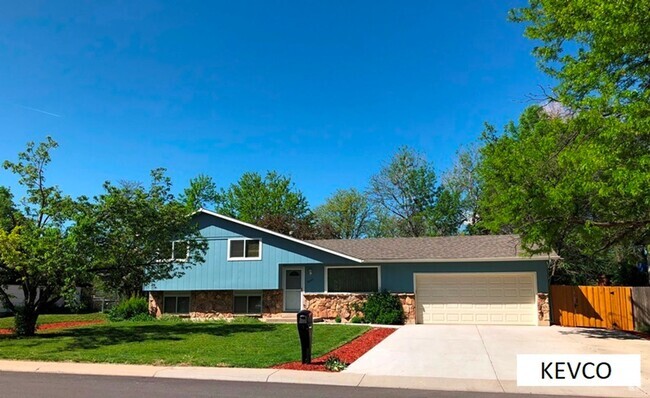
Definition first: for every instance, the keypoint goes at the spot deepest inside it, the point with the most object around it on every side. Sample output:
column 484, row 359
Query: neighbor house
column 250, row 270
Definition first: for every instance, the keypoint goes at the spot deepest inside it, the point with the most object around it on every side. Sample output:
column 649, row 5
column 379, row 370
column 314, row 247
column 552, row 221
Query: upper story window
column 244, row 249
column 179, row 250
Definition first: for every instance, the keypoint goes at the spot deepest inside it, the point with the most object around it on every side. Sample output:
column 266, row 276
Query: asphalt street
column 20, row 385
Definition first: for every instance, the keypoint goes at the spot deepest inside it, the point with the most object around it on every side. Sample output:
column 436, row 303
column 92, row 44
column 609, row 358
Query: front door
column 293, row 286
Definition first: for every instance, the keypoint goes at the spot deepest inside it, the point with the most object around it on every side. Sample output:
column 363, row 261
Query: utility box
column 305, row 327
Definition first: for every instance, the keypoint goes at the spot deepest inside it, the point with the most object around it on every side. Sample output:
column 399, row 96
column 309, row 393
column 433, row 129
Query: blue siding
column 216, row 273
column 399, row 277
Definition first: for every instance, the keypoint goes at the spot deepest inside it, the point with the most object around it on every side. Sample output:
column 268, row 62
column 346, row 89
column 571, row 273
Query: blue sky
column 322, row 91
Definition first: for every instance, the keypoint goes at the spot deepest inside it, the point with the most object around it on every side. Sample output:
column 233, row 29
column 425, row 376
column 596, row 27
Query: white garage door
column 476, row 298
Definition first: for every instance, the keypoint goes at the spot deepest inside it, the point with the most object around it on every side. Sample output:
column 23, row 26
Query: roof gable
column 277, row 234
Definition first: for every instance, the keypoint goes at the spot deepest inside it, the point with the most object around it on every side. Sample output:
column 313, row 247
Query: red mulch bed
column 58, row 325
column 348, row 353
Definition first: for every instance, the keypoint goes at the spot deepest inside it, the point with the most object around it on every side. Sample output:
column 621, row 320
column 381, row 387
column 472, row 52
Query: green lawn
column 177, row 343
column 8, row 322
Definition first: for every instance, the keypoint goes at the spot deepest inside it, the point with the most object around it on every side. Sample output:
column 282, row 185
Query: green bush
column 142, row 318
column 383, row 308
column 128, row 309
column 335, row 364
column 337, row 319
column 356, row 319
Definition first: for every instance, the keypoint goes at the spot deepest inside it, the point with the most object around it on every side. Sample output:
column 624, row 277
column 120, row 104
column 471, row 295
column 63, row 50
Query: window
column 179, row 250
column 248, row 303
column 244, row 249
column 176, row 305
column 352, row 280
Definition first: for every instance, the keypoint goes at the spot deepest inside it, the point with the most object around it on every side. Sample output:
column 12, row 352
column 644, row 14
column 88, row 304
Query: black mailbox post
column 305, row 325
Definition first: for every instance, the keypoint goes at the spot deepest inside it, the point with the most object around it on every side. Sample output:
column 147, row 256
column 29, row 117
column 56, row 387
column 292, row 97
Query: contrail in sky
column 38, row 110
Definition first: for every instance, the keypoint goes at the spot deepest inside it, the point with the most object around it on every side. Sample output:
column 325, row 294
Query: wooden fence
column 641, row 306
column 607, row 307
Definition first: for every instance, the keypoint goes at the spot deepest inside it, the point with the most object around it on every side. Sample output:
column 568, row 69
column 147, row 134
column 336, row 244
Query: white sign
column 562, row 370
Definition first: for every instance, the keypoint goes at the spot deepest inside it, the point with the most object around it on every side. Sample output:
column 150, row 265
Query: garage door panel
column 502, row 299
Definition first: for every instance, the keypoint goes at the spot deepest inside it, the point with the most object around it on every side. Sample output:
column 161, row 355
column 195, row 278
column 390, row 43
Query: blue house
column 253, row 271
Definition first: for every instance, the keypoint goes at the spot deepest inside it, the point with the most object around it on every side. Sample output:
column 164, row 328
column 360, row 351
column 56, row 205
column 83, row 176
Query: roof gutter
column 460, row 260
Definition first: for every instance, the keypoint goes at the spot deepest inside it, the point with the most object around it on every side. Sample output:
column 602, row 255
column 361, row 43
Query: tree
column 347, row 212
column 463, row 180
column 579, row 198
column 137, row 236
column 201, row 193
column 598, row 51
column 38, row 249
column 270, row 202
column 406, row 191
column 587, row 184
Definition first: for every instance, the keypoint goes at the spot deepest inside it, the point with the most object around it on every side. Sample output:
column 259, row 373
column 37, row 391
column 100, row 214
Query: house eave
column 287, row 237
column 459, row 260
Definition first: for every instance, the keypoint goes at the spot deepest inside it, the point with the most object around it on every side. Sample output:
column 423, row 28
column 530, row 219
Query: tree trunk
column 25, row 320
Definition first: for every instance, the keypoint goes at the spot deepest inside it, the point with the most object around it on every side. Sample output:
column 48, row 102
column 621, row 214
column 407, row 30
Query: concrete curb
column 304, row 377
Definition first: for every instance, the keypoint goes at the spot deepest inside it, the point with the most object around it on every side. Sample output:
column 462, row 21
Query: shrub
column 128, row 309
column 383, row 308
column 142, row 318
column 356, row 319
column 335, row 364
column 337, row 319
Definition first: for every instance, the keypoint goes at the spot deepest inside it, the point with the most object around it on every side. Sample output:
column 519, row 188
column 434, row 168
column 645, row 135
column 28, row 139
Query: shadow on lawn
column 123, row 332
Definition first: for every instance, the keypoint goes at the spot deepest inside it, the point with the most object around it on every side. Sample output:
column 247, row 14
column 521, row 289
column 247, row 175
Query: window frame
column 327, row 268
column 247, row 294
column 259, row 257
column 173, row 258
column 176, row 295
column 187, row 252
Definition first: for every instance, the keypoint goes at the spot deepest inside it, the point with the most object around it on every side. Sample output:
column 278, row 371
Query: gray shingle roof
column 430, row 248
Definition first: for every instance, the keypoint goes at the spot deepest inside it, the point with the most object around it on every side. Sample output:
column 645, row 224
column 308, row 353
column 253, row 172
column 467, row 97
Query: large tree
column 407, row 198
column 137, row 235
column 584, row 170
column 347, row 212
column 39, row 250
column 201, row 192
column 463, row 180
column 581, row 198
column 271, row 202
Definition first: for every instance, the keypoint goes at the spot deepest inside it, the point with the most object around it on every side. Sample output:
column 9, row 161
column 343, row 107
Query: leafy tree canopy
column 38, row 249
column 134, row 233
column 271, row 202
column 201, row 193
column 347, row 212
column 407, row 199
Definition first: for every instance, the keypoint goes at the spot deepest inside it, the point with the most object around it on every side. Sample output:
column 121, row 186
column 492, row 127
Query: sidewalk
column 304, row 377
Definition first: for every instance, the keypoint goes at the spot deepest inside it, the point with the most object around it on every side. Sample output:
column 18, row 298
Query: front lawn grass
column 256, row 345
column 8, row 322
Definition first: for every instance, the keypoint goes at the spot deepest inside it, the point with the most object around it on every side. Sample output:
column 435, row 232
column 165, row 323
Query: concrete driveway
column 485, row 356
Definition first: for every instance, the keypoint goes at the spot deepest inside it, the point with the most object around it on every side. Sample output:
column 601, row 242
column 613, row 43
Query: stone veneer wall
column 218, row 304
column 211, row 304
column 543, row 310
column 331, row 305
column 272, row 303
column 155, row 303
